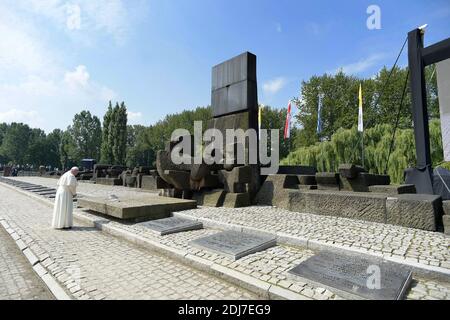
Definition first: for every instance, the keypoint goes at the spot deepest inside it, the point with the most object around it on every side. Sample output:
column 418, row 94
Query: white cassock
column 63, row 209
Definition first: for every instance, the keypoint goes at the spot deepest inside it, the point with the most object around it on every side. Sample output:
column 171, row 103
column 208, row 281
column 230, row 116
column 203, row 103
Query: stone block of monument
column 297, row 170
column 171, row 193
column 350, row 171
column 446, row 223
column 130, row 181
column 420, row 211
column 307, row 180
column 234, row 87
column 371, row 179
column 393, row 189
column 137, row 207
column 351, row 178
column 213, row 198
column 360, row 206
column 328, row 181
column 179, row 179
column 236, row 179
column 100, row 170
column 273, row 191
column 236, row 200
column 446, row 207
column 109, row 181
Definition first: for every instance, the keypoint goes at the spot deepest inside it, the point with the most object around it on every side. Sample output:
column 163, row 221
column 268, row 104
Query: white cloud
column 274, row 85
column 362, row 65
column 15, row 115
column 134, row 117
column 77, row 78
column 112, row 17
column 73, row 21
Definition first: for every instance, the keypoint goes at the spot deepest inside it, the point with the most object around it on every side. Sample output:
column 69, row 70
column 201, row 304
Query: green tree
column 15, row 143
column 114, row 138
column 106, row 147
column 86, row 135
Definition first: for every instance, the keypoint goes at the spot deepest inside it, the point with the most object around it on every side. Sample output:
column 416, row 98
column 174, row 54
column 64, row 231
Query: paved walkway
column 18, row 281
column 270, row 265
column 95, row 265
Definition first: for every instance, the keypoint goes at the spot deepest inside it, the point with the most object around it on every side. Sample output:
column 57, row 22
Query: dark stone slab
column 171, row 225
column 233, row 244
column 234, row 98
column 179, row 179
column 375, row 179
column 234, row 85
column 327, row 181
column 236, row 69
column 393, row 189
column 297, row 170
column 350, row 171
column 45, row 193
column 233, row 180
column 352, row 276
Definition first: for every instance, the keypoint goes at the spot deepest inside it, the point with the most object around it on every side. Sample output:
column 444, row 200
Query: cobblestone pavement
column 18, row 281
column 95, row 265
column 429, row 248
column 271, row 265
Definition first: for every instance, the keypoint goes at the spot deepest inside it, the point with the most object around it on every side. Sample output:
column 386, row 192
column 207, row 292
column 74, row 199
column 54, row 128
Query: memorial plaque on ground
column 354, row 276
column 234, row 244
column 171, row 225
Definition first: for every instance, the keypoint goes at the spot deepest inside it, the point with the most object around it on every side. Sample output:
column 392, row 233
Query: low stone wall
column 418, row 211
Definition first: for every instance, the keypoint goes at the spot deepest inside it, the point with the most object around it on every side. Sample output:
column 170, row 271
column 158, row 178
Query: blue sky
column 60, row 57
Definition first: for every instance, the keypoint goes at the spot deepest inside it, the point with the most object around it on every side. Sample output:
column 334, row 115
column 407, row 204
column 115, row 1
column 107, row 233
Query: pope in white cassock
column 63, row 209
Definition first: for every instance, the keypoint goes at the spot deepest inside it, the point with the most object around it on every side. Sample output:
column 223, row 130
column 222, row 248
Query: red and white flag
column 287, row 125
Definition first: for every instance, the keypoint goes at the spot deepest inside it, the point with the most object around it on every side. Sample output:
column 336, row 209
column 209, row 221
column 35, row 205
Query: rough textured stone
column 136, row 207
column 446, row 223
column 420, row 211
column 212, row 198
column 297, row 170
column 273, row 192
column 393, row 189
column 328, row 181
column 361, row 206
column 236, row 200
column 446, row 206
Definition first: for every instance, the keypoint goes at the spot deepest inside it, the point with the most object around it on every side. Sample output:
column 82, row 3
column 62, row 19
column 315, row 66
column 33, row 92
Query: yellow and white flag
column 360, row 112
